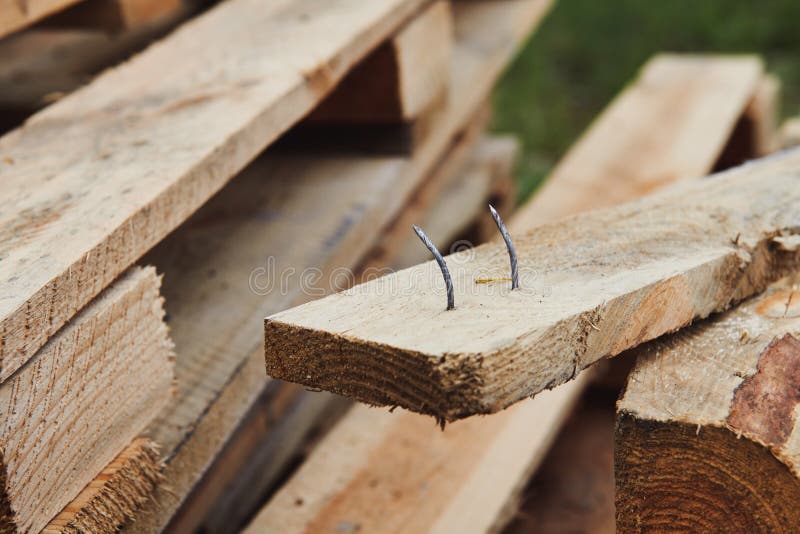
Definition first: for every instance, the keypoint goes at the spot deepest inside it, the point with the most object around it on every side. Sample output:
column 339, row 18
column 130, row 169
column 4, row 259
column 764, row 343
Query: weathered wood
column 145, row 150
column 401, row 79
column 443, row 488
column 16, row 14
column 640, row 152
column 82, row 399
column 338, row 205
column 113, row 497
column 590, row 287
column 706, row 435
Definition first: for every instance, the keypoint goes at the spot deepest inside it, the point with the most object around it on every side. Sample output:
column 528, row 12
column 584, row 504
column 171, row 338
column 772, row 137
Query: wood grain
column 143, row 150
column 82, row 399
column 706, row 433
column 113, row 497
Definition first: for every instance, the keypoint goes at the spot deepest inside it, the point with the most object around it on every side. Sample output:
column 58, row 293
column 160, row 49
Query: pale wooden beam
column 591, row 287
column 479, row 460
column 706, row 429
column 639, row 152
column 98, row 178
column 82, row 399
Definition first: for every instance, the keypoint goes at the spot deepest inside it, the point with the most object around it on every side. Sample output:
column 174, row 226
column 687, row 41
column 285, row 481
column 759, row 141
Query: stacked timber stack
column 370, row 472
column 144, row 232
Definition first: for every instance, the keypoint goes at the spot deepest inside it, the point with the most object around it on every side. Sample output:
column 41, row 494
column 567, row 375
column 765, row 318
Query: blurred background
column 586, row 51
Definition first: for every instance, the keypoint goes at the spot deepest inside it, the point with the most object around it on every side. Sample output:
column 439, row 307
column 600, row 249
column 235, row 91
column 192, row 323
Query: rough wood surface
column 146, row 150
column 82, row 399
column 461, row 473
column 706, row 435
column 640, row 152
column 113, row 497
column 16, row 14
column 401, row 79
column 339, row 205
column 591, row 286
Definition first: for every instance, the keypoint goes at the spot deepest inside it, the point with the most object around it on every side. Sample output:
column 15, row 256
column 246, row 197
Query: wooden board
column 41, row 65
column 591, row 286
column 146, row 150
column 82, row 399
column 706, row 430
column 477, row 465
column 16, row 14
column 640, row 152
column 338, row 205
column 400, row 79
column 113, row 497
column 116, row 15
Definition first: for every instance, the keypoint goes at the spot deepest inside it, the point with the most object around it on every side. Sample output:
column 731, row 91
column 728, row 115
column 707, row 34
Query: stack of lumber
column 146, row 232
column 184, row 431
column 369, row 472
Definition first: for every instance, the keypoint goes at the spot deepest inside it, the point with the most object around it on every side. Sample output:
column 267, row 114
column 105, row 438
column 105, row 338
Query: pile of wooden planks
column 144, row 393
column 145, row 232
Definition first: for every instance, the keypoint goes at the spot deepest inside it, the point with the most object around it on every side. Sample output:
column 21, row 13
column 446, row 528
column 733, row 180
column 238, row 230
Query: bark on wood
column 706, row 434
column 82, row 399
column 591, row 287
column 145, row 150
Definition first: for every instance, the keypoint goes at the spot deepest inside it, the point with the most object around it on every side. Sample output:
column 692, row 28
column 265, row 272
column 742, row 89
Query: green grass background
column 585, row 51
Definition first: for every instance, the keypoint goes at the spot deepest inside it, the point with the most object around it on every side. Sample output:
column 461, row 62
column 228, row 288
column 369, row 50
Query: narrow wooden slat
column 338, row 205
column 639, row 152
column 82, row 399
column 706, row 433
column 95, row 180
